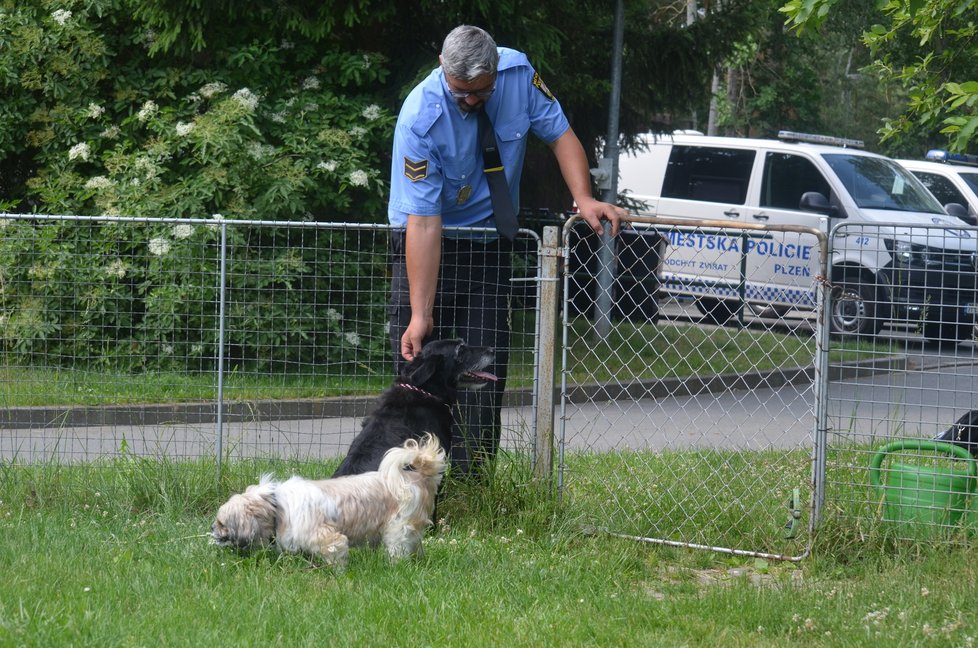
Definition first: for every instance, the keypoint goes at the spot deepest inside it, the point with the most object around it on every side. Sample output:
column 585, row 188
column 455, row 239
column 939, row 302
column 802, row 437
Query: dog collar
column 423, row 393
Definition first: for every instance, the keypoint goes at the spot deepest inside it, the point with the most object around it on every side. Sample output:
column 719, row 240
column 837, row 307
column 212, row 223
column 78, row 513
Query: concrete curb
column 358, row 406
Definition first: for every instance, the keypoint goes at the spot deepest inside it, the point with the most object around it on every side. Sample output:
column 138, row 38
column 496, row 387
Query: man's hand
column 418, row 329
column 594, row 211
column 574, row 168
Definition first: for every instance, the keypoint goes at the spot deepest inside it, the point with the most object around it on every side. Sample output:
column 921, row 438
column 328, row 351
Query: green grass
column 22, row 387
column 116, row 554
column 642, row 351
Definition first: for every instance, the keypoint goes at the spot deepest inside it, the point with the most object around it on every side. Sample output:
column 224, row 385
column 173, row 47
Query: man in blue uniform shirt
column 451, row 269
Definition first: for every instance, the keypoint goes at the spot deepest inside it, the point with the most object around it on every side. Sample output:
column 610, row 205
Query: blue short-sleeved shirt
column 437, row 159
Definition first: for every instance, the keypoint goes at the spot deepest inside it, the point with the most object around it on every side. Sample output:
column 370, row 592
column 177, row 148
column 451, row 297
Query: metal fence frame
column 820, row 288
column 873, row 422
column 547, row 282
column 541, row 390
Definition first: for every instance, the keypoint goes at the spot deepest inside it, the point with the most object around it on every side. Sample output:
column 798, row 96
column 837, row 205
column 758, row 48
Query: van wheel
column 854, row 310
column 716, row 311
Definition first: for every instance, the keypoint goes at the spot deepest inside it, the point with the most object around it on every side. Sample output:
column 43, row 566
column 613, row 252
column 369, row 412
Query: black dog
column 419, row 401
column 964, row 432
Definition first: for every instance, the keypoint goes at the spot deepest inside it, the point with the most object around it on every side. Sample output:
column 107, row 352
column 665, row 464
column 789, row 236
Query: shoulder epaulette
column 426, row 119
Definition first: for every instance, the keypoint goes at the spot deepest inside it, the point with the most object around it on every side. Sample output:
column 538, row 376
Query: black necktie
column 502, row 202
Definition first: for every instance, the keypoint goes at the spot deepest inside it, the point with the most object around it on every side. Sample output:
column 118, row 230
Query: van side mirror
column 958, row 210
column 813, row 201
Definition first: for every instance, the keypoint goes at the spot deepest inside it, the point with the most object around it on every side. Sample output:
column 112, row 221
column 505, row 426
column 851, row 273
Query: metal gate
column 674, row 429
column 886, row 475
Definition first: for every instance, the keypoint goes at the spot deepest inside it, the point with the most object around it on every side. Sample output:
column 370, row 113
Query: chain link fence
column 179, row 338
column 692, row 422
column 886, row 471
column 700, row 398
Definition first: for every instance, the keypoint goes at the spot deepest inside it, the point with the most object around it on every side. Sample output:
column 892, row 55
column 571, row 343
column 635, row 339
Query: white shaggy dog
column 392, row 505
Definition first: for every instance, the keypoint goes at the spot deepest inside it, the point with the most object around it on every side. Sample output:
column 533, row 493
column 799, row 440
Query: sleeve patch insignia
column 415, row 170
column 542, row 87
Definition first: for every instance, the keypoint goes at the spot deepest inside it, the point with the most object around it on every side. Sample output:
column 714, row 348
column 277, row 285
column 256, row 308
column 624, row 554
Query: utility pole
column 607, row 179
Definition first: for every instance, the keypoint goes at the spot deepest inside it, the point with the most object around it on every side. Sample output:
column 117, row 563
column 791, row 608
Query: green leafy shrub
column 100, row 119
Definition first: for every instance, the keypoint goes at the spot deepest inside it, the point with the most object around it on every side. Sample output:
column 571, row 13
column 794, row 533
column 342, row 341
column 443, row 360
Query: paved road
column 924, row 397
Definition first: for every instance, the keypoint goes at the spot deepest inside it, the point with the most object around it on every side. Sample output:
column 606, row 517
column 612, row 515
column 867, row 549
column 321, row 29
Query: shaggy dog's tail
column 426, row 458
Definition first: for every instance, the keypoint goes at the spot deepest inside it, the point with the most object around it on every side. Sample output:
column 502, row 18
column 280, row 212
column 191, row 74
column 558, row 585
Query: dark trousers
column 472, row 303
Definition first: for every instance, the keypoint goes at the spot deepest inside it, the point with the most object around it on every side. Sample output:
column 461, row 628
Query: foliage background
column 284, row 112
column 223, row 110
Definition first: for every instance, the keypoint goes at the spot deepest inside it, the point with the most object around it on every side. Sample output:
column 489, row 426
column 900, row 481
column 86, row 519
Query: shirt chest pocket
column 457, row 175
column 513, row 130
column 458, row 172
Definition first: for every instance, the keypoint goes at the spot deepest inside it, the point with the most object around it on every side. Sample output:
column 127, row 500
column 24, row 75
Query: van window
column 879, row 183
column 708, row 174
column 942, row 188
column 787, row 177
column 970, row 179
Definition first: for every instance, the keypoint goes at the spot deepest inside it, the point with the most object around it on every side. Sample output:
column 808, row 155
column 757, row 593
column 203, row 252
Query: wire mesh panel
column 690, row 418
column 183, row 338
column 901, row 417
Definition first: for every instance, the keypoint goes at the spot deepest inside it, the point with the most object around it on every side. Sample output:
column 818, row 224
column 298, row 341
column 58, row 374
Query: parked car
column 899, row 257
column 952, row 178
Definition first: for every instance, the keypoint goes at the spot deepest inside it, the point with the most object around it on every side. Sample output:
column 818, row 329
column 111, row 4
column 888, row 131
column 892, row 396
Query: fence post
column 546, row 353
column 222, row 278
column 823, row 325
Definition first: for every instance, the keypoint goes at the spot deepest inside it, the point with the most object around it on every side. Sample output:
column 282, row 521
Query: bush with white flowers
column 101, row 119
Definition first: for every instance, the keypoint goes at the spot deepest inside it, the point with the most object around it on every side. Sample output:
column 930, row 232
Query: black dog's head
column 445, row 366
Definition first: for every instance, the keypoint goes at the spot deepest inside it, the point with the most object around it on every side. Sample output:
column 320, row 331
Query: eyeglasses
column 481, row 94
column 484, row 93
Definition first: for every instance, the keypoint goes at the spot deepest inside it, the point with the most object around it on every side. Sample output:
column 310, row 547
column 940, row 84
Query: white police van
column 899, row 256
column 952, row 178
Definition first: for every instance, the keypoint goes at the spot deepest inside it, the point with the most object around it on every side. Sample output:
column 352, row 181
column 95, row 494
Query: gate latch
column 794, row 507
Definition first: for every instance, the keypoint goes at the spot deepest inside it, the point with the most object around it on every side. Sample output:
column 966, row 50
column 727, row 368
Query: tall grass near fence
column 709, row 497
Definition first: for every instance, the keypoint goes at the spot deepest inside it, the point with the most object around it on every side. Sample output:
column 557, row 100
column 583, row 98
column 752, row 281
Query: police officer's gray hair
column 469, row 53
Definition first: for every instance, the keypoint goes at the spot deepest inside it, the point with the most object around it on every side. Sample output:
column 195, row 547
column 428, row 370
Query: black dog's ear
column 421, row 369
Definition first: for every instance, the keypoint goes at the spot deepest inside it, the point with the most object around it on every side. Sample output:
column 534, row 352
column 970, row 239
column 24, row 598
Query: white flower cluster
column 148, row 110
column 112, row 132
column 184, row 128
column 98, row 182
column 259, row 151
column 182, row 230
column 246, row 98
column 359, row 178
column 146, row 167
column 371, row 112
column 327, row 166
column 357, row 132
column 61, row 16
column 116, row 269
column 333, row 315
column 211, row 90
column 353, row 339
column 159, row 246
column 310, row 83
column 79, row 151
column 95, row 111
